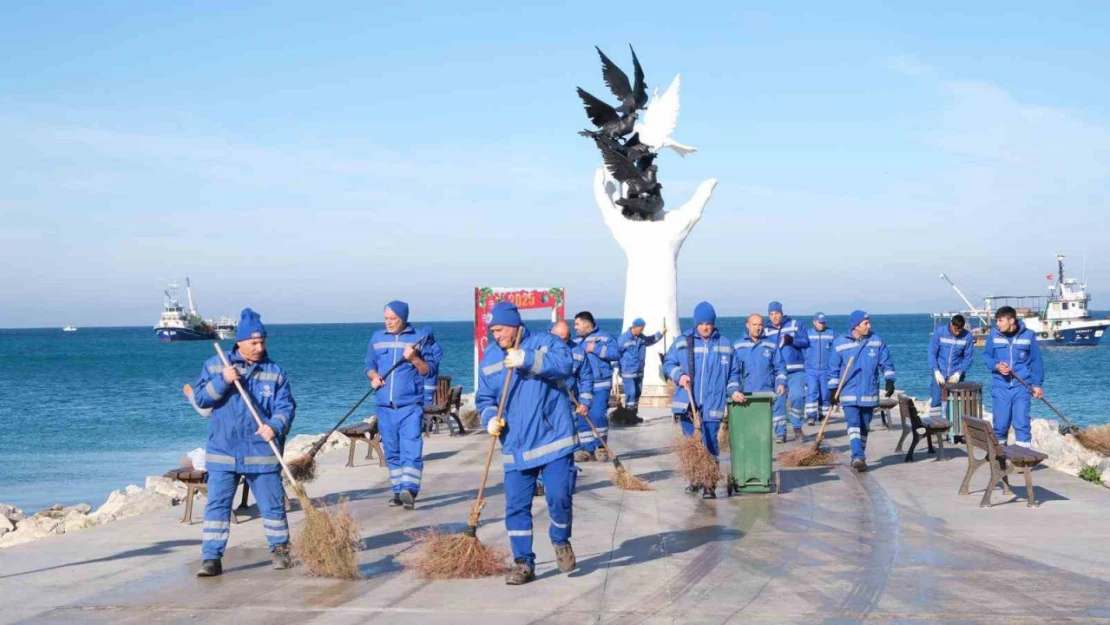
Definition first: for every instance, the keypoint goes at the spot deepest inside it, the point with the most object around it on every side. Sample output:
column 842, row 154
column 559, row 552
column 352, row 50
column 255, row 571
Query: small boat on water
column 69, row 328
column 177, row 325
column 225, row 328
column 1061, row 318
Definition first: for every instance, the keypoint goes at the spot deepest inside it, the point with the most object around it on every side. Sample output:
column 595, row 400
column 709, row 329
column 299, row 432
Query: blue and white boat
column 177, row 325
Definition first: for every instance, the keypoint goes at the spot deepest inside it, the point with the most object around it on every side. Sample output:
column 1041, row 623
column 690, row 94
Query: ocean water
column 90, row 411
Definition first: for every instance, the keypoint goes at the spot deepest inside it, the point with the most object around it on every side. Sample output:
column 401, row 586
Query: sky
column 315, row 160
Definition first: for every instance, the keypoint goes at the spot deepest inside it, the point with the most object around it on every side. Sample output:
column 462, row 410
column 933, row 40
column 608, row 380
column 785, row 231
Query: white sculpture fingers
column 691, row 211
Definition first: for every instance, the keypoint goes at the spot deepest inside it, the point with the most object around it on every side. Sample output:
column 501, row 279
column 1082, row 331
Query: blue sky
column 316, row 160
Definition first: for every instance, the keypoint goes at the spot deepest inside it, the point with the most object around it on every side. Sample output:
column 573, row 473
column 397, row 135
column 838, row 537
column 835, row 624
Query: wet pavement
column 894, row 545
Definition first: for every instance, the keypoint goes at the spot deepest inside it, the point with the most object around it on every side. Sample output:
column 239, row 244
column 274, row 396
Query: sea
column 84, row 413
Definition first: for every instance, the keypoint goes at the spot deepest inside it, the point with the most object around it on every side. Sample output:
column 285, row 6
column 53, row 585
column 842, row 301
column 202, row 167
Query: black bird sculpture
column 610, row 123
column 643, row 199
column 633, row 97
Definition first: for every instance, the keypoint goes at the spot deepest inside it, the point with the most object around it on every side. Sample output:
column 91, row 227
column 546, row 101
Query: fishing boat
column 1063, row 317
column 177, row 325
column 69, row 328
column 225, row 328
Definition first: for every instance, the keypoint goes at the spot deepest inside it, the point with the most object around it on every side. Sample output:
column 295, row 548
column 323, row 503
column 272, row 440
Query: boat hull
column 173, row 335
column 1079, row 337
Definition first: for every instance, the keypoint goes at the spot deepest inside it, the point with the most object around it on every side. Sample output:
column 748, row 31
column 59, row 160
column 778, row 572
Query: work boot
column 540, row 490
column 408, row 499
column 520, row 573
column 708, row 493
column 210, row 568
column 396, row 501
column 813, row 422
column 690, row 490
column 601, row 455
column 280, row 558
column 636, row 415
column 781, row 440
column 583, row 456
column 859, row 465
column 799, row 435
column 564, row 557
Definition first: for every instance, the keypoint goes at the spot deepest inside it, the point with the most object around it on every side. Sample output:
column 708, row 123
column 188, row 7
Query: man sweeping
column 581, row 380
column 869, row 358
column 399, row 400
column 821, row 339
column 759, row 361
column 537, row 434
column 1011, row 351
column 238, row 448
column 791, row 340
column 602, row 350
column 951, row 350
column 634, row 344
column 702, row 366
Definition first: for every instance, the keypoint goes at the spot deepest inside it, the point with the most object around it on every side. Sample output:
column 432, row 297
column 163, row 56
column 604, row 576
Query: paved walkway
column 895, row 545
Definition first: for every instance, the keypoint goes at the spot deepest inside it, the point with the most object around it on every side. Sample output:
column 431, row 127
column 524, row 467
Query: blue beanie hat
column 704, row 313
column 638, row 323
column 505, row 314
column 250, row 326
column 774, row 307
column 857, row 317
column 819, row 317
column 400, row 309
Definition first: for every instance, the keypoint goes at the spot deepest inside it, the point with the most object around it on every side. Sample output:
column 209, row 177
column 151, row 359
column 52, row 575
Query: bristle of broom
column 697, row 465
column 454, row 556
column 624, row 480
column 1096, row 439
column 807, row 457
column 303, row 468
column 329, row 540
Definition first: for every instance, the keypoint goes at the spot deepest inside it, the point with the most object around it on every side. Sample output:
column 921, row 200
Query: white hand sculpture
column 651, row 285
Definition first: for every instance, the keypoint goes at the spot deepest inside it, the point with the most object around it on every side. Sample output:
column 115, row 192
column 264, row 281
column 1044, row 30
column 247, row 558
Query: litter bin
column 750, row 435
column 959, row 400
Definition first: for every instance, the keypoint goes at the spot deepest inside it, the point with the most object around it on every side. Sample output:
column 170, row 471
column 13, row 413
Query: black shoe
column 812, row 422
column 210, row 568
column 280, row 557
column 520, row 573
column 690, row 490
column 781, row 439
column 408, row 499
column 859, row 465
column 708, row 493
column 396, row 501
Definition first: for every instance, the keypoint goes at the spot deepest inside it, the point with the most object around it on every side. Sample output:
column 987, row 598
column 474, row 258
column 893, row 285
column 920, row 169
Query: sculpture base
column 657, row 395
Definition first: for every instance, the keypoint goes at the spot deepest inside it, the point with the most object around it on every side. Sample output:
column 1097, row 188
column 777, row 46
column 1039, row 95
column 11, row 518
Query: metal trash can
column 959, row 400
column 750, row 436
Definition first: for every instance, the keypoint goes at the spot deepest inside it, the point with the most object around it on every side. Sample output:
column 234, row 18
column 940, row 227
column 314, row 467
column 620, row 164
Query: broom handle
column 590, row 423
column 476, row 511
column 694, row 410
column 258, row 420
column 836, row 397
column 1046, row 402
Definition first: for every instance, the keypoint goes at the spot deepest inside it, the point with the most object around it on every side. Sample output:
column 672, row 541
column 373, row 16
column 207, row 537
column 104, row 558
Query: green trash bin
column 750, row 435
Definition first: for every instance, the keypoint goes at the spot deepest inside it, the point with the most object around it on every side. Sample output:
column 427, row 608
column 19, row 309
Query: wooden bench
column 885, row 404
column 931, row 426
column 1003, row 460
column 445, row 407
column 196, row 481
column 367, row 433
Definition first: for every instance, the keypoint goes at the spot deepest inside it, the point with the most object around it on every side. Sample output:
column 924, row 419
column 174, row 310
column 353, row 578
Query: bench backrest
column 979, row 434
column 907, row 407
column 443, row 390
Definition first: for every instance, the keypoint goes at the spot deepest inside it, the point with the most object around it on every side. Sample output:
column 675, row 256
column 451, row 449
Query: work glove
column 889, row 388
column 787, row 339
column 514, row 358
column 833, row 400
column 954, row 378
column 495, row 426
column 939, row 377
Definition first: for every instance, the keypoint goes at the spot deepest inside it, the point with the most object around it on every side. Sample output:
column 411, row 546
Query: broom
column 814, row 456
column 1094, row 439
column 455, row 556
column 328, row 540
column 303, row 467
column 620, row 476
column 694, row 460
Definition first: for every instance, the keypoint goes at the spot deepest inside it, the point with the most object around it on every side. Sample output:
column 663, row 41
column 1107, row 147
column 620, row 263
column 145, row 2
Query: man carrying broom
column 602, row 350
column 399, row 399
column 237, row 447
column 869, row 357
column 1012, row 351
column 537, row 434
column 701, row 364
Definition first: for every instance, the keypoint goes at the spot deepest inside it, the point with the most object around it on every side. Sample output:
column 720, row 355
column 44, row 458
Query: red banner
column 525, row 299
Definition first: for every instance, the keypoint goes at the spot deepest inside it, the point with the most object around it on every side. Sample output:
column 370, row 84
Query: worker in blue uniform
column 821, row 338
column 759, row 361
column 791, row 339
column 951, row 350
column 602, row 352
column 239, row 448
column 399, row 400
column 536, row 430
column 870, row 359
column 1012, row 352
column 634, row 344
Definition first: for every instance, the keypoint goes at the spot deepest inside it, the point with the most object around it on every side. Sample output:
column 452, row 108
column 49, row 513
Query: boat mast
column 974, row 310
column 189, row 292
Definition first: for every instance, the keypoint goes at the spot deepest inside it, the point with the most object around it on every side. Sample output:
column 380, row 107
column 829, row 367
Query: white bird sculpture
column 660, row 120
